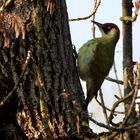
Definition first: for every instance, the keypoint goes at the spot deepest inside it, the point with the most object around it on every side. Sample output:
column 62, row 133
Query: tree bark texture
column 127, row 54
column 128, row 61
column 40, row 92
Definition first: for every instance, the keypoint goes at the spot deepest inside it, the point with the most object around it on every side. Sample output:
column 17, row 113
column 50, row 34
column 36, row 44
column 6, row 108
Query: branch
column 109, row 109
column 118, row 129
column 18, row 81
column 114, row 80
column 103, row 107
column 87, row 17
column 128, row 19
column 116, row 76
column 101, row 124
column 6, row 4
column 128, row 115
column 93, row 17
column 132, row 105
column 117, row 103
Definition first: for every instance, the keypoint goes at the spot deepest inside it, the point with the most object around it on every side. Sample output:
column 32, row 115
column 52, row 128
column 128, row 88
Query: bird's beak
column 100, row 26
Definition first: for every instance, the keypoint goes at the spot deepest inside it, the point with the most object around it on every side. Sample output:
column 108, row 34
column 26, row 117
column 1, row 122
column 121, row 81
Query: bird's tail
column 91, row 91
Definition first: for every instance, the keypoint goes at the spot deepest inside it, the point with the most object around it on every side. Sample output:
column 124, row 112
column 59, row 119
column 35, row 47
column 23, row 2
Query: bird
column 96, row 57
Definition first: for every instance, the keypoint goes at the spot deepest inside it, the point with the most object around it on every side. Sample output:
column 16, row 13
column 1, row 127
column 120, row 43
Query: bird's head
column 106, row 28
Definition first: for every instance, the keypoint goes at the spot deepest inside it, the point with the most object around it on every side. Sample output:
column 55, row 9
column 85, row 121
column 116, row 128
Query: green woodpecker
column 95, row 58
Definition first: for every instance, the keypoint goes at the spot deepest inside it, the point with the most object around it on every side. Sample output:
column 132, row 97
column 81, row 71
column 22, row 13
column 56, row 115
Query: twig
column 6, row 4
column 128, row 19
column 108, row 108
column 103, row 106
column 132, row 104
column 114, row 80
column 114, row 129
column 116, row 76
column 118, row 129
column 128, row 115
column 87, row 17
column 134, row 92
column 117, row 103
column 93, row 17
column 18, row 81
column 101, row 124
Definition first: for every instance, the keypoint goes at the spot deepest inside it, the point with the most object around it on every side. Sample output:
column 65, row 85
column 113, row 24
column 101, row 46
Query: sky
column 81, row 32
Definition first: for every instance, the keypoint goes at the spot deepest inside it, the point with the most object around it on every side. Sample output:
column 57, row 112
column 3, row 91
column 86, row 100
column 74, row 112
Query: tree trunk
column 41, row 96
column 127, row 58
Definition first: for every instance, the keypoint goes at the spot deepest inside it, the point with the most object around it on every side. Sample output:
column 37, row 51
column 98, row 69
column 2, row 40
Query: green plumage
column 95, row 58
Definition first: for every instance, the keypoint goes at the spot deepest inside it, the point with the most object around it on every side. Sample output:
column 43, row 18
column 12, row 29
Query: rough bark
column 41, row 96
column 127, row 55
column 128, row 62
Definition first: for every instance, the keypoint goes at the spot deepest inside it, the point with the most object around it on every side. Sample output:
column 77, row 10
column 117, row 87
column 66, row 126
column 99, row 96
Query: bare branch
column 135, row 125
column 93, row 17
column 18, row 81
column 103, row 107
column 134, row 92
column 114, row 80
column 116, row 76
column 108, row 109
column 87, row 17
column 6, row 4
column 128, row 19
column 117, row 103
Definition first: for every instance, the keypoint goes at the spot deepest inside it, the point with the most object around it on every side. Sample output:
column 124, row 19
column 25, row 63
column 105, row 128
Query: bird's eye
column 109, row 28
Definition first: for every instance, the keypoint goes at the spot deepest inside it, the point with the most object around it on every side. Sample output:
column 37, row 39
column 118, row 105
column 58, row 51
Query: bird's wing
column 87, row 58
